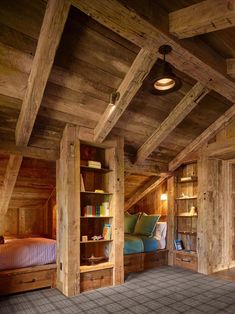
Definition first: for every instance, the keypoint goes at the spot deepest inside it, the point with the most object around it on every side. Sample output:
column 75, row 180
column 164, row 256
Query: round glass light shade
column 164, row 84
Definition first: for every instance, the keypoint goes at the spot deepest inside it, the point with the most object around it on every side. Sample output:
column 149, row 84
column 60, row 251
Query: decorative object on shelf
column 107, row 232
column 98, row 238
column 94, row 164
column 84, row 238
column 193, row 211
column 188, row 179
column 92, row 260
column 99, row 191
column 82, row 184
column 88, row 152
column 106, row 208
column 178, row 245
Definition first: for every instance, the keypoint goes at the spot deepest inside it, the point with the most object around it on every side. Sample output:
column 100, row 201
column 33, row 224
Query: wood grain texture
column 52, row 28
column 68, row 213
column 203, row 138
column 200, row 18
column 10, row 178
column 127, row 90
column 176, row 116
column 144, row 190
column 231, row 67
column 133, row 27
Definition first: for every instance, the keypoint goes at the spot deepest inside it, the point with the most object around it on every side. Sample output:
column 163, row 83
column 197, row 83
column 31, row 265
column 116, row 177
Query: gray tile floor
column 161, row 290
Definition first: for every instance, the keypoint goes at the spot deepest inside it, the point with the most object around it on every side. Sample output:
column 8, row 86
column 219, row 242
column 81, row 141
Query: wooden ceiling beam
column 211, row 131
column 32, row 152
column 123, row 20
column 148, row 167
column 49, row 38
column 231, row 67
column 177, row 115
column 9, row 181
column 144, row 190
column 203, row 17
column 140, row 68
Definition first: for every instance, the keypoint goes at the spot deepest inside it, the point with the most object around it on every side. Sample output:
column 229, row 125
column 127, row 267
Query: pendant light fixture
column 165, row 81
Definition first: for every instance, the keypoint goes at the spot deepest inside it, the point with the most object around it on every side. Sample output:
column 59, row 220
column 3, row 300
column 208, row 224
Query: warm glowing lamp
column 164, row 197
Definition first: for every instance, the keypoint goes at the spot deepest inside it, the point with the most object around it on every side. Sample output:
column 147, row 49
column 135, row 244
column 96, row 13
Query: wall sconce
column 164, row 197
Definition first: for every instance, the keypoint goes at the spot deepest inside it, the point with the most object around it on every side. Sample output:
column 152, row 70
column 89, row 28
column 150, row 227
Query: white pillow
column 160, row 230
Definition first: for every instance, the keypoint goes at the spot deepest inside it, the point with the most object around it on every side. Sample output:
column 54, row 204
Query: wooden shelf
column 187, row 216
column 95, row 193
column 100, row 266
column 95, row 241
column 91, row 169
column 186, row 198
column 96, row 217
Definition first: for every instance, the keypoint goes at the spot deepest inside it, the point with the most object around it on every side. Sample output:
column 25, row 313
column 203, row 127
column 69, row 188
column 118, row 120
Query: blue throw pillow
column 129, row 223
column 146, row 225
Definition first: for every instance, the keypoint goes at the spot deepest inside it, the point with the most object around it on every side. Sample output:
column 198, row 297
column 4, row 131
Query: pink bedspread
column 18, row 253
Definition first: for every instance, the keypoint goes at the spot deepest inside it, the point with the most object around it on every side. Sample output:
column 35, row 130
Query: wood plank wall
column 21, row 222
column 152, row 204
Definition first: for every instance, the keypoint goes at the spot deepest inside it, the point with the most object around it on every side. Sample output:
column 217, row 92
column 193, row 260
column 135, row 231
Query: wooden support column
column 211, row 215
column 68, row 213
column 170, row 218
column 115, row 160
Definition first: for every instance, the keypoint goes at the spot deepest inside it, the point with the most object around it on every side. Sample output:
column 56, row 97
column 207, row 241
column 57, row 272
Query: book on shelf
column 82, row 184
column 96, row 210
column 178, row 245
column 107, row 232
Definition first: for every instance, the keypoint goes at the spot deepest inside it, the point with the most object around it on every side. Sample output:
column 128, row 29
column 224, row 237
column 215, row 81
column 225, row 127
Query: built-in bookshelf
column 186, row 217
column 96, row 220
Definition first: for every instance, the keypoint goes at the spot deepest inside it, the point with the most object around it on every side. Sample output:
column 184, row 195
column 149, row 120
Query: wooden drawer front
column 186, row 261
column 155, row 259
column 133, row 263
column 96, row 279
column 25, row 282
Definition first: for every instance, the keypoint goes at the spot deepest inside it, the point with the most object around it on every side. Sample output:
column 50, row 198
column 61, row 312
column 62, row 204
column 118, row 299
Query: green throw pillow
column 129, row 223
column 146, row 225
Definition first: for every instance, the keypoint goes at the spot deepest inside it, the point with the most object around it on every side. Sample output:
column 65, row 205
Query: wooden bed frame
column 141, row 261
column 28, row 278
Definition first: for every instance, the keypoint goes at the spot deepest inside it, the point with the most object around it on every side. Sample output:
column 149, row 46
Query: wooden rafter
column 144, row 190
column 148, row 168
column 231, row 67
column 126, row 91
column 49, row 38
column 204, row 17
column 203, row 138
column 177, row 115
column 50, row 34
column 130, row 25
column 9, row 181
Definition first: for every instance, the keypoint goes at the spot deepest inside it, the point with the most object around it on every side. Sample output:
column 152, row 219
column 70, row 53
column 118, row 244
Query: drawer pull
column 30, row 281
column 186, row 260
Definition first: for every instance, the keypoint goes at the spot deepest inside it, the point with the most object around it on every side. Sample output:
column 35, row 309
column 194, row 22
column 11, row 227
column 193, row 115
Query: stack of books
column 94, row 164
column 91, row 210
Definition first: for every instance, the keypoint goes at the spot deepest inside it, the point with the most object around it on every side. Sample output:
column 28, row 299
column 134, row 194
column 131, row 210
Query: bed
column 144, row 252
column 27, row 264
